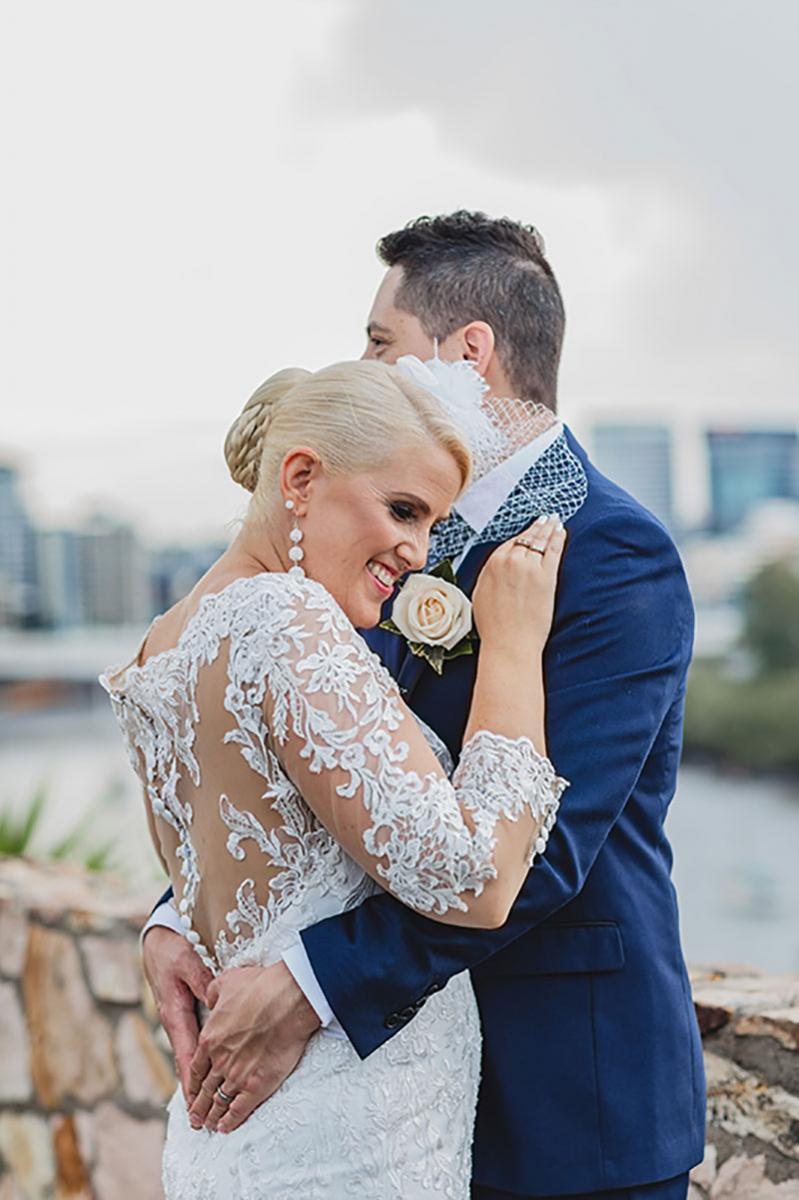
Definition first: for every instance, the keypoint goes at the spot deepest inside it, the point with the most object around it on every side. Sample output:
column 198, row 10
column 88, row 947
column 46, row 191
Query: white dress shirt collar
column 480, row 503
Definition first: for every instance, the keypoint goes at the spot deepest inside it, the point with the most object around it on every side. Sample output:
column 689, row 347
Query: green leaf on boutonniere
column 436, row 656
column 390, row 626
column 465, row 646
column 444, row 570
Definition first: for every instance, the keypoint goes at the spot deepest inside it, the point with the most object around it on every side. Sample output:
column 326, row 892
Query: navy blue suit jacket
column 592, row 1071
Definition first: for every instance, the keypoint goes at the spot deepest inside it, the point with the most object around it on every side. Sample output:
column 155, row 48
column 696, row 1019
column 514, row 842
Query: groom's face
column 392, row 332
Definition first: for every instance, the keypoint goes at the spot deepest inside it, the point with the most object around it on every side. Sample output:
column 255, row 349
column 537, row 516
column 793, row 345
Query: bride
column 285, row 779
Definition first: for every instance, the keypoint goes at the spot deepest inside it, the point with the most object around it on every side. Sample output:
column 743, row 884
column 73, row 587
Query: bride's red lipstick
column 383, row 588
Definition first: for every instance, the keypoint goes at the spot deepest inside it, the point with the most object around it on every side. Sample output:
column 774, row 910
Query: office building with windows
column 18, row 576
column 639, row 458
column 748, row 467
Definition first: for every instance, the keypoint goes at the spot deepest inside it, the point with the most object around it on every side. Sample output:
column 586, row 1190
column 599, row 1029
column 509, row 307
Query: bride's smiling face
column 362, row 532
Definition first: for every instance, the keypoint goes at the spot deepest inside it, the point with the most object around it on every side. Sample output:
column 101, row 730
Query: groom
column 592, row 1070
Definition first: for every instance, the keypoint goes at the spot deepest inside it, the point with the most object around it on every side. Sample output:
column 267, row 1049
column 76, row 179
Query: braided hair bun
column 244, row 444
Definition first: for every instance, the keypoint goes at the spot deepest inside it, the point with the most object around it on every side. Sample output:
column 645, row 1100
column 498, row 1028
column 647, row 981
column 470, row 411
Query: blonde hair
column 353, row 414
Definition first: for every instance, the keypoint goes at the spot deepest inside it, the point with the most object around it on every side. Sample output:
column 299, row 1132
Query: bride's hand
column 514, row 599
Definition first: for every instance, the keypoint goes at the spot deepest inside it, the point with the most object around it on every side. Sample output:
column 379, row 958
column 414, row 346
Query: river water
column 736, row 840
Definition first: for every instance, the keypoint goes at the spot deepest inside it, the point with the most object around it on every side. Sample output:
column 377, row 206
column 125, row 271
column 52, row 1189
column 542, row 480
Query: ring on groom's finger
column 528, row 546
column 223, row 1097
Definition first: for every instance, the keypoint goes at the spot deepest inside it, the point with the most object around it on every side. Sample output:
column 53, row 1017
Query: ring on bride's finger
column 223, row 1096
column 528, row 546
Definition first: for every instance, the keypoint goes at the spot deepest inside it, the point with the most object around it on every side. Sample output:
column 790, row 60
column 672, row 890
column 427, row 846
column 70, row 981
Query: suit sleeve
column 615, row 665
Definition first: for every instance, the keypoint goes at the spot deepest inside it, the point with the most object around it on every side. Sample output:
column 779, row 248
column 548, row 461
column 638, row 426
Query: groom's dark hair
column 469, row 267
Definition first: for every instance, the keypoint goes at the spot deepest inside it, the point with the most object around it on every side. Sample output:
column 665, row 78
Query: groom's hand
column 177, row 977
column 259, row 1027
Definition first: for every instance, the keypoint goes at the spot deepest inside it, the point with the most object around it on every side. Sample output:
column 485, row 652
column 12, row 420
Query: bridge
column 68, row 656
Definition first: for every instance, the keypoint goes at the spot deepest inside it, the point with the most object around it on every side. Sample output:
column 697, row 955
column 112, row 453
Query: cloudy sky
column 193, row 192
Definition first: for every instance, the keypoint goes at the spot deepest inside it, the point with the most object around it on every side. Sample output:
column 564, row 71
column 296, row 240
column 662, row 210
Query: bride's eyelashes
column 402, row 511
column 405, row 512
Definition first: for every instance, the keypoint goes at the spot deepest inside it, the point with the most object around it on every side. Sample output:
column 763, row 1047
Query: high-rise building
column 748, row 467
column 112, row 567
column 638, row 458
column 60, row 596
column 18, row 598
column 175, row 570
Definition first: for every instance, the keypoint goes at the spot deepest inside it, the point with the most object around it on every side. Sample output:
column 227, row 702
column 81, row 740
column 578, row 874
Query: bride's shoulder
column 301, row 618
column 293, row 592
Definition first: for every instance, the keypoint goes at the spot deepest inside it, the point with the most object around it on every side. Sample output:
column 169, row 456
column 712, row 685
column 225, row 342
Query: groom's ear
column 477, row 343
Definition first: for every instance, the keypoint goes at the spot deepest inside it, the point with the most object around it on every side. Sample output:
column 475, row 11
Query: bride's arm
column 456, row 850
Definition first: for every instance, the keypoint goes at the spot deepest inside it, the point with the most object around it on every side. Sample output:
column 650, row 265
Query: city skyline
column 96, row 573
column 100, row 571
column 212, row 510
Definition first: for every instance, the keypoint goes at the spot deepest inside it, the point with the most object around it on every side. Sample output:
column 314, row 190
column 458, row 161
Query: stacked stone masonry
column 85, row 1072
column 750, row 1030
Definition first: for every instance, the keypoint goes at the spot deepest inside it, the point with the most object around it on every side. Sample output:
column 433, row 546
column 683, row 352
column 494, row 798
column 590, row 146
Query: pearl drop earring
column 296, row 552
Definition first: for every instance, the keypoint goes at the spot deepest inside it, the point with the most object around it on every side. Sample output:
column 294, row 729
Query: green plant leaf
column 32, row 817
column 434, row 655
column 68, row 845
column 464, row 647
column 436, row 658
column 100, row 857
column 16, row 833
column 444, row 570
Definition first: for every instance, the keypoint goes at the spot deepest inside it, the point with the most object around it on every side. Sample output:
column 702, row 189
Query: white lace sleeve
column 354, row 751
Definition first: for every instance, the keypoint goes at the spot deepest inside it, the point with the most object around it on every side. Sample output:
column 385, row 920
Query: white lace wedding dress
column 267, row 740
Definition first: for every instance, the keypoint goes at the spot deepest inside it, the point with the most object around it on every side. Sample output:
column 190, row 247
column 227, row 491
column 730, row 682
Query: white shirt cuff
column 297, row 960
column 165, row 915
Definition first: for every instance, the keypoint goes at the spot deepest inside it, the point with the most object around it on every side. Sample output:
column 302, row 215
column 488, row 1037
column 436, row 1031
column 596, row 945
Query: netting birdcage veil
column 502, row 433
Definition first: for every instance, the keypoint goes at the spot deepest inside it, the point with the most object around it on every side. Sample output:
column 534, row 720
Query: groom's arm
column 614, row 670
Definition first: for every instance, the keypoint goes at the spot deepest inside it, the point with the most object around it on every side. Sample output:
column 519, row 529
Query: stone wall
column 750, row 1029
column 85, row 1072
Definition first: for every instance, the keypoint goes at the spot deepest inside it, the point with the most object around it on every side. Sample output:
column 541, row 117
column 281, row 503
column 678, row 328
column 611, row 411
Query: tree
column 771, row 618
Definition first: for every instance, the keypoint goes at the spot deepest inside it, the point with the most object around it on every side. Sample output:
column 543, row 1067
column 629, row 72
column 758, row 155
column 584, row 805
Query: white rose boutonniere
column 434, row 616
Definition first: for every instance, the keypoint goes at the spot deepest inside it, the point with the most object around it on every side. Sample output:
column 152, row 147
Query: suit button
column 392, row 1021
column 407, row 1013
